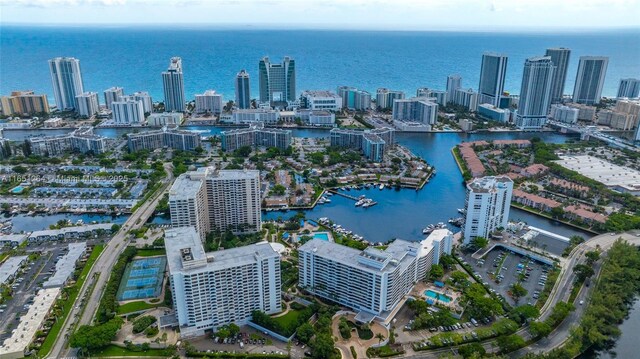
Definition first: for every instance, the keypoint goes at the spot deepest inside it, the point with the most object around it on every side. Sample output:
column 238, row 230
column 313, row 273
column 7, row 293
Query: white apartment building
column 385, row 97
column 467, row 98
column 66, row 79
column 267, row 116
column 232, row 199
column 188, row 203
column 209, row 102
column 564, row 114
column 87, row 104
column 321, row 101
column 416, row 109
column 169, row 119
column 373, row 282
column 217, row 288
column 127, row 112
column 487, row 206
column 147, row 102
column 112, row 95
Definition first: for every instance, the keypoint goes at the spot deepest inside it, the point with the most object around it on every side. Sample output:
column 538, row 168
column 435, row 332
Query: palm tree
column 380, row 338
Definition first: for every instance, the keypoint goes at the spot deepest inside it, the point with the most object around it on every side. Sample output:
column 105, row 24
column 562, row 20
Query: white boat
column 461, row 210
column 381, row 186
column 359, row 203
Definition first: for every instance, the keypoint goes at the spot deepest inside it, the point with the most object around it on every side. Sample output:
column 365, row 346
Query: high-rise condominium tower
column 217, row 288
column 112, row 95
column 211, row 199
column 277, row 81
column 535, row 92
column 560, row 58
column 173, row 83
column 454, row 82
column 629, row 88
column 590, row 79
column 66, row 79
column 492, row 75
column 243, row 93
column 487, row 206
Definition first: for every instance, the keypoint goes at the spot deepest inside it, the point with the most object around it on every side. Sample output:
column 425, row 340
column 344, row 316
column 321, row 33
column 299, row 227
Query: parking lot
column 28, row 281
column 253, row 341
column 501, row 269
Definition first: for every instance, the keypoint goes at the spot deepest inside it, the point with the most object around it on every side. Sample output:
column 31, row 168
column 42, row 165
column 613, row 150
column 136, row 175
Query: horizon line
column 322, row 27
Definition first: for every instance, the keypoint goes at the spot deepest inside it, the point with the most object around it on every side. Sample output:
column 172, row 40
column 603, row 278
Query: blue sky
column 485, row 15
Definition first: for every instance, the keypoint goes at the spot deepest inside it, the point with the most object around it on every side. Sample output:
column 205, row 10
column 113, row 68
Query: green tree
column 380, row 337
column 539, row 329
column 458, row 277
column 436, row 272
column 322, row 346
column 518, row 291
column 469, row 350
column 592, row 257
column 305, row 332
column 583, row 272
column 523, row 313
column 509, row 343
column 479, row 242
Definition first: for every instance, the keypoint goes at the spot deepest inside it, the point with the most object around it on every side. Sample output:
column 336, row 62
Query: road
column 102, row 267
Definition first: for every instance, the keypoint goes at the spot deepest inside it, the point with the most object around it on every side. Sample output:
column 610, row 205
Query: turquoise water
column 110, row 56
column 441, row 297
column 322, row 236
column 17, row 189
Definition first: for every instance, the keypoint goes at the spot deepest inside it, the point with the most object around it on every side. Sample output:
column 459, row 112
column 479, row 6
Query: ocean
column 134, row 57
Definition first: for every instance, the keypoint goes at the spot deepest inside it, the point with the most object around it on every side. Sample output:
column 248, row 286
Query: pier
column 343, row 194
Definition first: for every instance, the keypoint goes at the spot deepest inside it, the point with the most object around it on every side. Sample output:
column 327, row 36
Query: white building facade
column 372, row 281
column 87, row 104
column 127, row 112
column 214, row 289
column 209, row 102
column 487, row 206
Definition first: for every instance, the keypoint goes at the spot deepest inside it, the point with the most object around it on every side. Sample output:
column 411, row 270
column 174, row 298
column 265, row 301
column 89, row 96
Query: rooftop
column 10, row 267
column 75, row 229
column 489, row 183
column 66, row 265
column 185, row 253
column 605, row 172
column 30, row 323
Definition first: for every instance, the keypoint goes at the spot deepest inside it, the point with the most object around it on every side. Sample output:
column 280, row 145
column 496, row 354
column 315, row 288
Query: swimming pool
column 435, row 295
column 17, row 189
column 322, row 236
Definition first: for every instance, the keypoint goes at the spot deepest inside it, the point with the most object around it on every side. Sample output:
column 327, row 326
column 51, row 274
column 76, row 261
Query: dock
column 343, row 194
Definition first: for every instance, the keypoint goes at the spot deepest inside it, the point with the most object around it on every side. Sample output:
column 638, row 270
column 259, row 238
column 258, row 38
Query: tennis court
column 142, row 279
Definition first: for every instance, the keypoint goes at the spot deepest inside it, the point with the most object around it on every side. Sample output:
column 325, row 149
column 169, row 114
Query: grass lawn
column 151, row 252
column 116, row 351
column 287, row 319
column 136, row 306
column 68, row 304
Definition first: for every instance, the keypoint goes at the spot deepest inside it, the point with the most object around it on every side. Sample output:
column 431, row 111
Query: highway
column 102, row 268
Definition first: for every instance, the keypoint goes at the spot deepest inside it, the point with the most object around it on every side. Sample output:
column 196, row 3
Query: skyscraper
column 209, row 102
column 173, row 83
column 233, row 199
column 66, row 79
column 629, row 88
column 493, row 71
column 454, row 82
column 590, row 79
column 243, row 93
column 354, row 99
column 487, row 206
column 87, row 104
column 560, row 58
column 127, row 112
column 277, row 81
column 385, row 97
column 112, row 95
column 213, row 289
column 535, row 92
